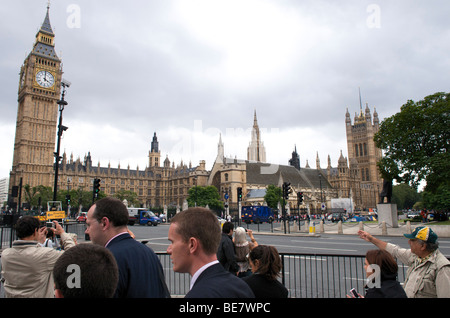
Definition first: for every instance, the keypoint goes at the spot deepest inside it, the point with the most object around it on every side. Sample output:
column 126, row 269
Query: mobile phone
column 354, row 293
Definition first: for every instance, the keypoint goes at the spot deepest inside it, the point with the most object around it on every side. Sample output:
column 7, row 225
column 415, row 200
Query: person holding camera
column 27, row 266
column 243, row 248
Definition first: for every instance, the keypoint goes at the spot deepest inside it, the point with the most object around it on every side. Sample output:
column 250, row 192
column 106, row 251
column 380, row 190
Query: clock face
column 45, row 79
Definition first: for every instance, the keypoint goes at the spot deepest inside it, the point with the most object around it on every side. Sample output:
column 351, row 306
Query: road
column 324, row 244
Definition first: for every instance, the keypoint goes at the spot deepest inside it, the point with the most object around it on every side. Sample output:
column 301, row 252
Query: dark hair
column 269, row 261
column 202, row 224
column 384, row 260
column 26, row 226
column 113, row 209
column 227, row 227
column 97, row 269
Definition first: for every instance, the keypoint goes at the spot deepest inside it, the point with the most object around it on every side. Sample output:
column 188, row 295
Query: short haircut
column 269, row 261
column 98, row 272
column 202, row 224
column 113, row 209
column 227, row 227
column 26, row 226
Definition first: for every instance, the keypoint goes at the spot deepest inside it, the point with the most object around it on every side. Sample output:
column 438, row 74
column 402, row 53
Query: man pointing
column 428, row 275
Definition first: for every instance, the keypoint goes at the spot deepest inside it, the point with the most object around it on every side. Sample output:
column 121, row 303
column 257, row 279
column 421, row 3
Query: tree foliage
column 77, row 197
column 416, row 142
column 273, row 196
column 130, row 196
column 202, row 196
column 405, row 196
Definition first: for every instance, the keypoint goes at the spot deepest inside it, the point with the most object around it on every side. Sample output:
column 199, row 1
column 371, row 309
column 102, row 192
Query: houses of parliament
column 162, row 183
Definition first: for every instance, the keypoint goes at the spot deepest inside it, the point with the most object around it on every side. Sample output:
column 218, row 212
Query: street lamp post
column 61, row 103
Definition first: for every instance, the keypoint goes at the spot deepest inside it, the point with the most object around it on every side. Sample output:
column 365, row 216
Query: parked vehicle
column 257, row 214
column 82, row 217
column 142, row 216
column 337, row 216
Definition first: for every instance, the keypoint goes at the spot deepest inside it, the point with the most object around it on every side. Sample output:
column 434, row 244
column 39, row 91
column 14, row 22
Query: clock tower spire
column 39, row 90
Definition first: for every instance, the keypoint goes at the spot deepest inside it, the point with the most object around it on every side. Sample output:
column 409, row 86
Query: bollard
column 321, row 227
column 383, row 228
column 408, row 227
column 340, row 231
column 312, row 228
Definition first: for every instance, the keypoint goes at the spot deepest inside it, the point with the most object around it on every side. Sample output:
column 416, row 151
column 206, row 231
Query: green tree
column 416, row 142
column 273, row 196
column 405, row 196
column 202, row 196
column 130, row 196
column 40, row 191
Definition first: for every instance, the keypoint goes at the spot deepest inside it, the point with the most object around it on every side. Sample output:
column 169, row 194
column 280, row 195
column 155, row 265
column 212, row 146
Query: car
column 82, row 217
column 336, row 217
column 412, row 215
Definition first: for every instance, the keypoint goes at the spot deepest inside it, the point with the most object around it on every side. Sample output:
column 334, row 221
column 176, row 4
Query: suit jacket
column 225, row 254
column 140, row 271
column 216, row 282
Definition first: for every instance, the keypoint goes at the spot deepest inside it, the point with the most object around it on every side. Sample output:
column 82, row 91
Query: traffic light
column 286, row 190
column 96, row 188
column 239, row 194
column 68, row 199
column 300, row 197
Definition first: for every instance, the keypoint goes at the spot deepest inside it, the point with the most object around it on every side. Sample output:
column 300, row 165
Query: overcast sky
column 190, row 70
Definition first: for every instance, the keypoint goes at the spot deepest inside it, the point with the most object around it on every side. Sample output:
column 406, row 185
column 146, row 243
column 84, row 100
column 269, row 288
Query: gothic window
column 356, row 150
column 360, row 149
column 365, row 149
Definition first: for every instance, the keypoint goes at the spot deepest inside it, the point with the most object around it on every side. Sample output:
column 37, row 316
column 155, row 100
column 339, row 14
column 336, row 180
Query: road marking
column 316, row 248
column 339, row 243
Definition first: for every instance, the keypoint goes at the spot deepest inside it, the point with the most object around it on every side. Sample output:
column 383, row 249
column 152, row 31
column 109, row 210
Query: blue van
column 257, row 214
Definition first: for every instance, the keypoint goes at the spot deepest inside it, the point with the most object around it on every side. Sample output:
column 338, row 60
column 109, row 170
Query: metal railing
column 304, row 275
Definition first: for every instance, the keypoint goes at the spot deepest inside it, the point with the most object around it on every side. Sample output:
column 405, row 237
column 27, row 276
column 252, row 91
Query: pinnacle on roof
column 46, row 26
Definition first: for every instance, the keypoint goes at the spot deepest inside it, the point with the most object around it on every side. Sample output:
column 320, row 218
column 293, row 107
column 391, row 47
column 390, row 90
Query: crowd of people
column 223, row 262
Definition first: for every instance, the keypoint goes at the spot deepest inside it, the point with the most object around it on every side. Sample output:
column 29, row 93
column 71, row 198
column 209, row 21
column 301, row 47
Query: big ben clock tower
column 39, row 89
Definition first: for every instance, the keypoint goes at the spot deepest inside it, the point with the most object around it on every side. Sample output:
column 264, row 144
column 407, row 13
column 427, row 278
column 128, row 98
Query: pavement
column 353, row 228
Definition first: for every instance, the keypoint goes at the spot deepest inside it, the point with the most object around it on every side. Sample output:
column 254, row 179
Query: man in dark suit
column 195, row 236
column 140, row 271
column 225, row 253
